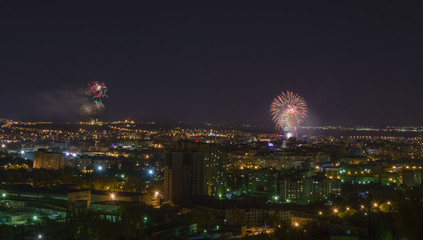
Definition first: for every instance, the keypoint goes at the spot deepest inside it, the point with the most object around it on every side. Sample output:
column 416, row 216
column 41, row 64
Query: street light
column 40, row 236
column 145, row 221
column 112, row 196
column 296, row 224
column 335, row 210
column 390, row 207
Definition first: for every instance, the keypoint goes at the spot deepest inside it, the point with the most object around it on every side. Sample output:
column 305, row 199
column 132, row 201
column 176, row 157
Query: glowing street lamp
column 112, row 196
column 296, row 224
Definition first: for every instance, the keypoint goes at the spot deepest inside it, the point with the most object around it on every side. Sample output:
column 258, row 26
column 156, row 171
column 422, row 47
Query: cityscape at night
column 211, row 120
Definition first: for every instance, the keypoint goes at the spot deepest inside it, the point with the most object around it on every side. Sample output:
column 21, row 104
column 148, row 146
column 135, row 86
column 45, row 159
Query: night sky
column 354, row 62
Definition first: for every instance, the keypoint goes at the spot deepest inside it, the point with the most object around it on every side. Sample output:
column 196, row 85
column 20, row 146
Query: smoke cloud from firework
column 65, row 105
column 288, row 110
column 92, row 110
column 59, row 104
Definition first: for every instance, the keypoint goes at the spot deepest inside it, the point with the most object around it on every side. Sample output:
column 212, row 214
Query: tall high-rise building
column 194, row 169
column 215, row 159
column 183, row 176
column 44, row 159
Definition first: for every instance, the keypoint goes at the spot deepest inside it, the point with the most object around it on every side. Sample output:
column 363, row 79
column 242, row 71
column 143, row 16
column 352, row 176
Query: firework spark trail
column 288, row 111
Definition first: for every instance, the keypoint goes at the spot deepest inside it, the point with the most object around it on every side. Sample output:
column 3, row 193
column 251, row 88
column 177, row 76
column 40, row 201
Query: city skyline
column 211, row 120
column 354, row 64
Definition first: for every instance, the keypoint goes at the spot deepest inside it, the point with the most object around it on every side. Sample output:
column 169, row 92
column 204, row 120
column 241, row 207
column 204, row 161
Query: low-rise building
column 256, row 217
column 49, row 160
column 305, row 190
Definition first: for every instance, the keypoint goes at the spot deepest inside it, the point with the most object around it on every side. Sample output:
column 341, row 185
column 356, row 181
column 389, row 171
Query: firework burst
column 288, row 111
column 92, row 110
column 98, row 90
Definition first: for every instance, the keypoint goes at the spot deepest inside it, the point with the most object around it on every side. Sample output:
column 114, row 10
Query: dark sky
column 354, row 62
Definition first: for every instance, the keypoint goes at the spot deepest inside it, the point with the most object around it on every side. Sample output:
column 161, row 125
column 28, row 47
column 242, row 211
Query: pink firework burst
column 288, row 111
